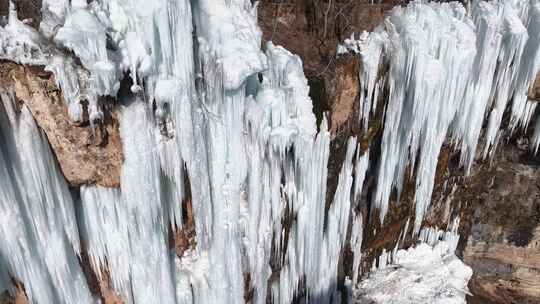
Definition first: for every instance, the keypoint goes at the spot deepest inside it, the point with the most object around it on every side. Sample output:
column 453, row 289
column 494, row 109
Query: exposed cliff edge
column 86, row 155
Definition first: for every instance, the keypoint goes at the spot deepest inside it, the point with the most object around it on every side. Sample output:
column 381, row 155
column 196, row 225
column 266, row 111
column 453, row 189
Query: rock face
column 313, row 28
column 503, row 247
column 86, row 155
column 29, row 10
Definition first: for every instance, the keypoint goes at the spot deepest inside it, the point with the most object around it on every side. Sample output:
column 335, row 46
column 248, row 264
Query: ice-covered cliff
column 218, row 136
column 234, row 121
column 449, row 69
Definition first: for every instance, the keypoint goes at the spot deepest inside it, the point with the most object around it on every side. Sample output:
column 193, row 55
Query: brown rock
column 86, row 156
column 313, row 28
column 19, row 298
column 185, row 238
column 99, row 279
column 503, row 245
column 534, row 92
column 344, row 92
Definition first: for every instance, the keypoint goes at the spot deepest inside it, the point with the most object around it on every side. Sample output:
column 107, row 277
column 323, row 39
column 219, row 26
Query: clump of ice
column 429, row 273
column 419, row 275
column 21, row 43
column 229, row 27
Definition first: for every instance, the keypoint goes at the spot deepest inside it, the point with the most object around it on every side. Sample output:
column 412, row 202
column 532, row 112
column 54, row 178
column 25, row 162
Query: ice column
column 40, row 242
column 427, row 80
column 445, row 82
column 130, row 230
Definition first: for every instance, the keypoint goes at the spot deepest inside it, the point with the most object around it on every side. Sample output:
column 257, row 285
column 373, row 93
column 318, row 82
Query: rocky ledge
column 86, row 155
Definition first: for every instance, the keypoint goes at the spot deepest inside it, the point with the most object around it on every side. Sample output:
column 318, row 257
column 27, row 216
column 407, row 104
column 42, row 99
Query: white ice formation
column 249, row 149
column 420, row 275
column 209, row 110
column 536, row 137
column 40, row 241
column 449, row 69
column 429, row 273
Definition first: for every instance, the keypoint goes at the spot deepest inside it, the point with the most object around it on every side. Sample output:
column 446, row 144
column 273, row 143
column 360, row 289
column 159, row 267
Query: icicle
column 371, row 49
column 336, row 230
column 535, row 140
column 356, row 245
column 445, row 241
column 105, row 225
column 284, row 108
column 361, row 167
column 522, row 108
column 513, row 41
column 362, row 164
column 67, row 77
column 405, row 231
column 417, row 122
column 40, row 243
column 85, row 35
column 121, row 228
column 445, row 81
column 231, row 31
column 383, row 259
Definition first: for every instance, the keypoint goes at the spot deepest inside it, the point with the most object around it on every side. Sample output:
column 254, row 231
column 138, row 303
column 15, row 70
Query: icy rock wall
column 449, row 69
column 208, row 106
column 40, row 244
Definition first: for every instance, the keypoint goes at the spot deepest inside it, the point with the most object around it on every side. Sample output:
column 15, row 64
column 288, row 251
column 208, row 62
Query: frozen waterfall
column 212, row 117
column 449, row 70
